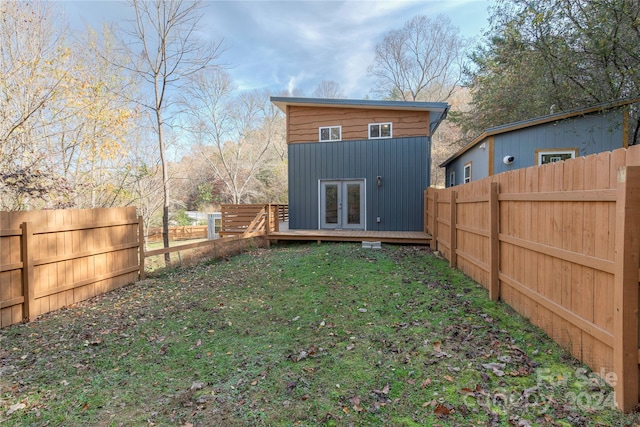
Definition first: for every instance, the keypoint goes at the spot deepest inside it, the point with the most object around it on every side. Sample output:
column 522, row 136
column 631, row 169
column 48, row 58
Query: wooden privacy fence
column 560, row 243
column 52, row 259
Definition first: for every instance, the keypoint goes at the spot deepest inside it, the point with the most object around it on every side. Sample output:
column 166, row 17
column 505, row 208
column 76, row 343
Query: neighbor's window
column 330, row 133
column 379, row 130
column 452, row 178
column 467, row 172
column 552, row 156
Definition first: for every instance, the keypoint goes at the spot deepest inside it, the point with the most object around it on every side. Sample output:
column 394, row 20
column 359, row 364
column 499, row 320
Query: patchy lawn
column 311, row 334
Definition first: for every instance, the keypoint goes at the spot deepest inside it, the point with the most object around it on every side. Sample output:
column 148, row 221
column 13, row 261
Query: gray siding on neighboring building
column 479, row 165
column 590, row 134
column 403, row 164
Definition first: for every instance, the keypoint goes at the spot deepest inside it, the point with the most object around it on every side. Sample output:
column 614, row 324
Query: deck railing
column 252, row 220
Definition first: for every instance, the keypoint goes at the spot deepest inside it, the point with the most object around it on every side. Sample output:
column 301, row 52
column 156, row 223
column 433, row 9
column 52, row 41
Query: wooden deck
column 401, row 237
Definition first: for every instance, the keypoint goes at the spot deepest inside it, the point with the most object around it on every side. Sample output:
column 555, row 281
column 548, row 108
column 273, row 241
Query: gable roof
column 439, row 110
column 496, row 130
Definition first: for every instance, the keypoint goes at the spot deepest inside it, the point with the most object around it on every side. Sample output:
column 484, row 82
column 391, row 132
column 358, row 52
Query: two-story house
column 358, row 164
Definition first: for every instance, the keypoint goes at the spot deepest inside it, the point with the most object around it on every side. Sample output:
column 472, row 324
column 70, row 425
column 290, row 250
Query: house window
column 379, row 130
column 467, row 172
column 555, row 155
column 452, row 178
column 330, row 133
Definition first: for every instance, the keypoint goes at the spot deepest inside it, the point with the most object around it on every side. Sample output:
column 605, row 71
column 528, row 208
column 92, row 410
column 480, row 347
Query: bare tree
column 165, row 50
column 60, row 128
column 32, row 68
column 449, row 138
column 328, row 89
column 233, row 131
column 93, row 137
column 420, row 61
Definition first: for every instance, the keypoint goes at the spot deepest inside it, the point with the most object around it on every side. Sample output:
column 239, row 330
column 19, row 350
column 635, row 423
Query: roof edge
column 509, row 127
column 283, row 102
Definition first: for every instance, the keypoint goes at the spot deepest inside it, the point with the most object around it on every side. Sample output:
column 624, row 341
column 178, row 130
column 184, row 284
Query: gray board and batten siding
column 588, row 134
column 402, row 164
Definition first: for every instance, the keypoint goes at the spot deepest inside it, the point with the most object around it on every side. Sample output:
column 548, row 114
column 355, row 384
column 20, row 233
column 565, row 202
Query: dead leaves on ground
column 435, row 359
column 311, row 351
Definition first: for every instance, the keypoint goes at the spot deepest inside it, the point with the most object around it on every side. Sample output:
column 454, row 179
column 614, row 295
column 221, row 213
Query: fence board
column 538, row 225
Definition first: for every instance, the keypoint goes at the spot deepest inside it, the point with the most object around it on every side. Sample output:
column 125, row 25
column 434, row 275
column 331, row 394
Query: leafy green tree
column 182, row 218
column 545, row 56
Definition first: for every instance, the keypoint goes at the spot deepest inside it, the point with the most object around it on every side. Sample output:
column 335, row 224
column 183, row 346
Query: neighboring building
column 358, row 164
column 546, row 139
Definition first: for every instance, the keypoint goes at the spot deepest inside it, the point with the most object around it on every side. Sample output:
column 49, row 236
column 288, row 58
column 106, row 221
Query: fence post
column 29, row 307
column 494, row 243
column 453, row 260
column 434, row 229
column 425, row 204
column 269, row 219
column 223, row 218
column 625, row 293
column 141, row 246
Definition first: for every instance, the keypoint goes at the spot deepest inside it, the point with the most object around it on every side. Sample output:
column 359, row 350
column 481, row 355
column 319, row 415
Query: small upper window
column 452, row 178
column 330, row 133
column 467, row 172
column 380, row 130
column 552, row 156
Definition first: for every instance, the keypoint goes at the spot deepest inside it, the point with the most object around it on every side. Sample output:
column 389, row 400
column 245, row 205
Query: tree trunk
column 165, row 187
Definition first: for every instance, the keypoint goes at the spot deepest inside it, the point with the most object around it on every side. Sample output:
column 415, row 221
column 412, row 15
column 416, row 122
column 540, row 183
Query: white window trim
column 467, row 167
column 559, row 151
column 329, row 127
column 380, row 128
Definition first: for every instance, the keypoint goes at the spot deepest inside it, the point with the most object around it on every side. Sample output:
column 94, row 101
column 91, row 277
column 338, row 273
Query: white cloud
column 281, row 44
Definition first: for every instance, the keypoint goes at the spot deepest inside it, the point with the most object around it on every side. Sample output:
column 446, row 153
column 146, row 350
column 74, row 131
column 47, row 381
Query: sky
column 285, row 45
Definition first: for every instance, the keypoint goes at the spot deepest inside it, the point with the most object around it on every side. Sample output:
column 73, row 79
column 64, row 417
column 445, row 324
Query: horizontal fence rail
column 559, row 243
column 216, row 249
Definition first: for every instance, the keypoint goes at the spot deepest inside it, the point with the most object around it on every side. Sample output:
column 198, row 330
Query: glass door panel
column 342, row 204
column 331, row 207
column 330, row 203
column 354, row 209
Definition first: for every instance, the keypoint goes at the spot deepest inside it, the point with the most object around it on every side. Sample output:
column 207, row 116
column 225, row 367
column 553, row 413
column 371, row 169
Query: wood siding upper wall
column 303, row 122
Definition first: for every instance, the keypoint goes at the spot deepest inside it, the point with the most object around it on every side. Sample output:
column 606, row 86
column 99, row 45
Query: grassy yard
column 299, row 335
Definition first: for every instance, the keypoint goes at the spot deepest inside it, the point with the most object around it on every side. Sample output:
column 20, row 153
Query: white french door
column 342, row 204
